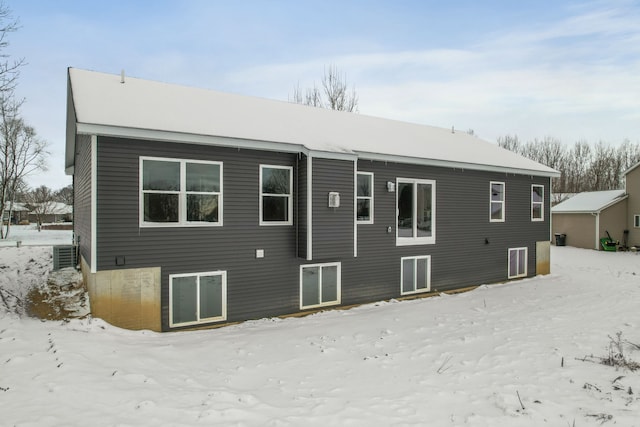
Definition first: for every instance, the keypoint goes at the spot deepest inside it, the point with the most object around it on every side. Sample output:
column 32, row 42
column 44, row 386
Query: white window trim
column 182, row 194
column 636, row 221
column 526, row 262
column 370, row 198
column 290, row 196
column 205, row 320
column 537, row 203
column 408, row 241
column 339, row 284
column 503, row 202
column 415, row 275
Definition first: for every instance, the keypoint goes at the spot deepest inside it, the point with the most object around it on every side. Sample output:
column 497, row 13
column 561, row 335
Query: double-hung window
column 364, row 198
column 319, row 285
column 517, row 263
column 276, row 198
column 537, row 202
column 636, row 221
column 180, row 192
column 416, row 209
column 496, row 210
column 197, row 298
column 415, row 274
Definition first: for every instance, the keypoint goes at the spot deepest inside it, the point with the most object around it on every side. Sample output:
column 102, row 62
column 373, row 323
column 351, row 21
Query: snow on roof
column 589, row 201
column 104, row 105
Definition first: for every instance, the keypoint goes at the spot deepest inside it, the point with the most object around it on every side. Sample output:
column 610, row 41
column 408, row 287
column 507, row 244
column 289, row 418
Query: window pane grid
column 364, row 197
column 537, row 202
column 276, row 199
column 178, row 192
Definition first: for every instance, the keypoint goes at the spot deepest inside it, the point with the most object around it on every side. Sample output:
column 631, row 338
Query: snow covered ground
column 501, row 355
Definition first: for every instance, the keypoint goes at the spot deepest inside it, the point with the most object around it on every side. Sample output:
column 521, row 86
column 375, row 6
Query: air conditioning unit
column 64, row 256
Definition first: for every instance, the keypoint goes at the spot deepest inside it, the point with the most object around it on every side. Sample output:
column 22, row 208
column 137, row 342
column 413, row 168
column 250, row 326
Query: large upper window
column 364, row 198
column 319, row 285
column 496, row 211
column 517, row 263
column 416, row 202
column 180, row 192
column 415, row 274
column 197, row 298
column 276, row 199
column 537, row 202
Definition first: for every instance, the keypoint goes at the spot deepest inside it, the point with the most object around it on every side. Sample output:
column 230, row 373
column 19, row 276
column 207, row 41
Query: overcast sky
column 565, row 69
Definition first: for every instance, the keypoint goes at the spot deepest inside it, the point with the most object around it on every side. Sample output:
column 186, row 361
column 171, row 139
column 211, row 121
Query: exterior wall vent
column 64, row 256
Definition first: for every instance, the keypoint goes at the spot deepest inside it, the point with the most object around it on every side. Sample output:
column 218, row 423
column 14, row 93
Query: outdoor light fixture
column 391, row 187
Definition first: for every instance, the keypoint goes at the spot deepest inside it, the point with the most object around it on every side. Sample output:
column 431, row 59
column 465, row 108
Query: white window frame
column 510, row 274
column 182, row 195
column 223, row 317
column 636, row 221
column 541, row 204
column 415, row 275
column 289, row 196
column 502, row 202
column 370, row 198
column 415, row 240
column 338, row 285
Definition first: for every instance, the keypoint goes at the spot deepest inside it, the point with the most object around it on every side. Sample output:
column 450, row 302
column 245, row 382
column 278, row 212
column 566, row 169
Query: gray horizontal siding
column 460, row 256
column 273, row 280
column 270, row 286
column 332, row 227
column 82, row 196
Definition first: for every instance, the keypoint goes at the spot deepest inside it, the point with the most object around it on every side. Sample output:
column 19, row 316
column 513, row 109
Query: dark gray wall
column 332, row 227
column 82, row 195
column 270, row 286
column 256, row 287
column 460, row 256
column 301, row 214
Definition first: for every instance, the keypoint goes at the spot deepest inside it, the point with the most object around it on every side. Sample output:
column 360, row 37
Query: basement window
column 415, row 274
column 517, row 263
column 197, row 298
column 319, row 285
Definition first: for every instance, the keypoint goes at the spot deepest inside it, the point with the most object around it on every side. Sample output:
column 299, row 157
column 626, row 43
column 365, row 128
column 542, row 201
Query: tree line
column 583, row 166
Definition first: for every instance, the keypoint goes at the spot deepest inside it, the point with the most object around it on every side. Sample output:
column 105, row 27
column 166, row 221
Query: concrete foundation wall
column 543, row 257
column 127, row 298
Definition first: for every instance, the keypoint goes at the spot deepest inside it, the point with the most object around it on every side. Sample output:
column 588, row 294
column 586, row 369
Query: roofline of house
column 597, row 211
column 240, row 143
column 631, row 168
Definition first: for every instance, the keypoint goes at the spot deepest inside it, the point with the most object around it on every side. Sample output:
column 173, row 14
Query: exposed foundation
column 543, row 257
column 127, row 298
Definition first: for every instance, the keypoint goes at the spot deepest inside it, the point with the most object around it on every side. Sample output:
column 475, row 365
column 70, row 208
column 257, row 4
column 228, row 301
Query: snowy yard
column 502, row 355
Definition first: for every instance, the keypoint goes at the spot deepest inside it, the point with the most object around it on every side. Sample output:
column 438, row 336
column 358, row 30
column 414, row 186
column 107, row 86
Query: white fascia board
column 454, row 164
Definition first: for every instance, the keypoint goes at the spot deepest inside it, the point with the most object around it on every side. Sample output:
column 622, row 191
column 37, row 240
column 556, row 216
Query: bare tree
column 65, row 195
column 334, row 93
column 9, row 68
column 40, row 202
column 22, row 152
